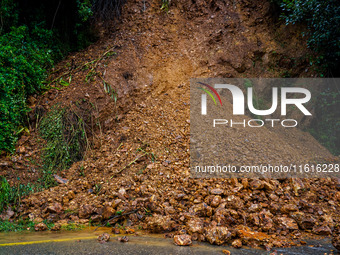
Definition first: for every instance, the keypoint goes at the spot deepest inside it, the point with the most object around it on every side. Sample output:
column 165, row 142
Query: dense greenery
column 33, row 34
column 326, row 127
column 23, row 63
column 322, row 18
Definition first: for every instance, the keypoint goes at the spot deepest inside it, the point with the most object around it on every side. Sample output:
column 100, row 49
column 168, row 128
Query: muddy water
column 84, row 242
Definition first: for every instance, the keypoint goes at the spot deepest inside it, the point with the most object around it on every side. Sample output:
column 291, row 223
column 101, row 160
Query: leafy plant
column 12, row 195
column 23, row 65
column 165, row 5
column 65, row 135
column 322, row 18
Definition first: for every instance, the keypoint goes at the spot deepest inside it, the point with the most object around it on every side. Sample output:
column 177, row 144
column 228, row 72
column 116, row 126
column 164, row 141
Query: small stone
column 216, row 201
column 182, row 240
column 108, row 212
column 216, row 191
column 256, row 184
column 103, row 238
column 322, row 230
column 288, row 223
column 123, row 239
column 129, row 230
column 38, row 220
column 226, row 252
column 40, row 227
column 160, row 223
column 336, row 242
column 56, row 227
column 217, row 235
column 55, row 208
column 237, row 243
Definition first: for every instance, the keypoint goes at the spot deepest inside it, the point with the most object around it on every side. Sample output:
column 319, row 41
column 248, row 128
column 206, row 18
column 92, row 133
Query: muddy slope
column 140, row 157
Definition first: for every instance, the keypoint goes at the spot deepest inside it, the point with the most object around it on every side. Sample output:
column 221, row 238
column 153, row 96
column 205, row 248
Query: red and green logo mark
column 209, row 93
column 204, row 97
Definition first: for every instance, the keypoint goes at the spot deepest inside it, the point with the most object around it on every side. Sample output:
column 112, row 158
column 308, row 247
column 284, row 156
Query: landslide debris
column 139, row 159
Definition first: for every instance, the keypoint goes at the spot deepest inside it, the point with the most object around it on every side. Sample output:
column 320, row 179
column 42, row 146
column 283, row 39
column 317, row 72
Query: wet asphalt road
column 149, row 245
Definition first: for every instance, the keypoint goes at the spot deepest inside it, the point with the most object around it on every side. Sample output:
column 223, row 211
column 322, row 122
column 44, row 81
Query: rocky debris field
column 137, row 167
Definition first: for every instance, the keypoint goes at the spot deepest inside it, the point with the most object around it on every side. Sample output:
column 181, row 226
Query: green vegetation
column 32, row 36
column 12, row 195
column 165, row 5
column 18, row 226
column 73, row 227
column 322, row 18
column 326, row 127
column 23, row 64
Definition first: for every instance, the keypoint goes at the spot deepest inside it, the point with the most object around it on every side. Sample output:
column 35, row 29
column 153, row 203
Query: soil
column 139, row 156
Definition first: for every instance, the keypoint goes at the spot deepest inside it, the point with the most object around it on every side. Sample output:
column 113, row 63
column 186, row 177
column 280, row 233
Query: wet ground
column 85, row 242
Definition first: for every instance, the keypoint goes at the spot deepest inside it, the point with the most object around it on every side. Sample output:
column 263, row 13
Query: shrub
column 322, row 18
column 23, row 64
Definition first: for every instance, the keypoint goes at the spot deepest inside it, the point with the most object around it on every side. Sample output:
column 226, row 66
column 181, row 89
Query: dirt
column 139, row 157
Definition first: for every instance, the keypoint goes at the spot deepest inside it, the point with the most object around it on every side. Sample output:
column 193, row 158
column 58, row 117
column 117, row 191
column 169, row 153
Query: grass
column 27, row 225
column 18, row 226
column 66, row 142
column 12, row 195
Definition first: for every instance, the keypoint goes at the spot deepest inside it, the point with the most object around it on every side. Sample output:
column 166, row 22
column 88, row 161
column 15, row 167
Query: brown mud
column 139, row 157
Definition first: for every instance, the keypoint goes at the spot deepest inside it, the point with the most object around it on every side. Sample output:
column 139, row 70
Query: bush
column 322, row 18
column 23, row 64
column 12, row 195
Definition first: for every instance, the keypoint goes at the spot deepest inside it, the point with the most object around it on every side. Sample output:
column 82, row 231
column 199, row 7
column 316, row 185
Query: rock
column 56, row 227
column 287, row 223
column 158, row 223
column 96, row 218
column 297, row 185
column 195, row 225
column 38, row 220
column 235, row 202
column 237, row 243
column 226, row 252
column 267, row 186
column 216, row 191
column 289, row 208
column 266, row 220
column 40, row 227
column 55, row 208
column 60, row 179
column 85, row 211
column 336, row 242
column 123, row 239
column 103, row 238
column 254, row 208
column 182, row 240
column 322, row 230
column 116, row 203
column 304, row 221
column 129, row 230
column 122, row 193
column 7, row 215
column 216, row 201
column 108, row 212
column 217, row 235
column 256, row 184
column 201, row 210
column 247, row 235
